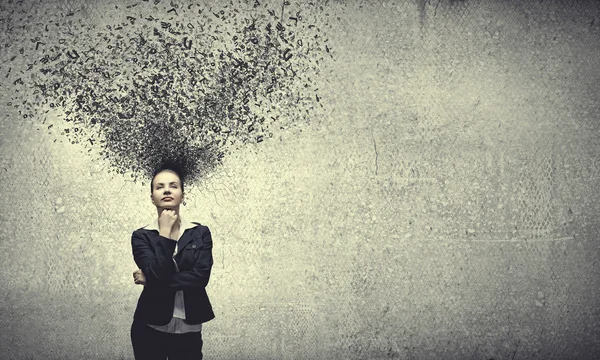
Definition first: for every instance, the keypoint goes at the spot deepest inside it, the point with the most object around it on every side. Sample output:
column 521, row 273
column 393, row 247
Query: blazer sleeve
column 156, row 265
column 199, row 275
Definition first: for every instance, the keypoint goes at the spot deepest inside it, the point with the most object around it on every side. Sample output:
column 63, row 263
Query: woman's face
column 166, row 190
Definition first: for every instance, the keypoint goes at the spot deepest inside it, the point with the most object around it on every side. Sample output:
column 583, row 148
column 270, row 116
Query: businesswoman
column 174, row 257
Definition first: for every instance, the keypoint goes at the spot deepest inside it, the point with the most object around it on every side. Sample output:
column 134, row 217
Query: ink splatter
column 188, row 83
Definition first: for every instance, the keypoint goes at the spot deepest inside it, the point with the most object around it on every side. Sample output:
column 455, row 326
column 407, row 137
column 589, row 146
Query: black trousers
column 152, row 344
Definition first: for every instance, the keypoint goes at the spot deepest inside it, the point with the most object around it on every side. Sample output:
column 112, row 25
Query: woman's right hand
column 167, row 219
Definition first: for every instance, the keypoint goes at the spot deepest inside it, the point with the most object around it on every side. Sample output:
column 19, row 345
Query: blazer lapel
column 185, row 239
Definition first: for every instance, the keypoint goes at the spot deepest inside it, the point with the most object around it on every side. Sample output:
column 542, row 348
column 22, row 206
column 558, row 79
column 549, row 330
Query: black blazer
column 153, row 254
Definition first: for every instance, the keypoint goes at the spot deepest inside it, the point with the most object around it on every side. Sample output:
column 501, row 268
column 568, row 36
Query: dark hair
column 168, row 166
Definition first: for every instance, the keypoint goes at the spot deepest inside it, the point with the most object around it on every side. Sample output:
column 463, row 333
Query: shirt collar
column 184, row 225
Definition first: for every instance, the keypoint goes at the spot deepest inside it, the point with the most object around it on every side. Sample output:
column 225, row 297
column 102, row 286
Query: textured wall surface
column 443, row 204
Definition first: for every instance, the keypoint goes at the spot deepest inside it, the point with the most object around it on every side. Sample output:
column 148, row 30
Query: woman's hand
column 139, row 277
column 166, row 221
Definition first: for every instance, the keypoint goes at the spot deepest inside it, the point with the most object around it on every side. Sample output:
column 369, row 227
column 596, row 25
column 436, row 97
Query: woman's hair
column 168, row 166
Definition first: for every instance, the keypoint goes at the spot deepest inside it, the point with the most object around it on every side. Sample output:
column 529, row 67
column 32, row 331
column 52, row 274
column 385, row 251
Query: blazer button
column 194, row 246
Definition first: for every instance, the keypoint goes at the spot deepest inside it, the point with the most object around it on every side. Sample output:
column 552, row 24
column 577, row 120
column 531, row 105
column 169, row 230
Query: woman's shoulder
column 153, row 225
column 200, row 226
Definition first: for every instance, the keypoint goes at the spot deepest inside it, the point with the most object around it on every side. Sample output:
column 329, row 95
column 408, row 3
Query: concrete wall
column 442, row 205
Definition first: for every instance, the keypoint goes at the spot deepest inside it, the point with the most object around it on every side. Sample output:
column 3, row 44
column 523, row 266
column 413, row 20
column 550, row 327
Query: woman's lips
column 168, row 199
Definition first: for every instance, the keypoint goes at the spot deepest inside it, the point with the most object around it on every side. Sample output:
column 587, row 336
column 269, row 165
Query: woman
column 174, row 257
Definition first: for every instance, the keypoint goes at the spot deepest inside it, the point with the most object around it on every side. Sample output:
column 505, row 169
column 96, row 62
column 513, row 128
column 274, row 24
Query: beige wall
column 444, row 204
